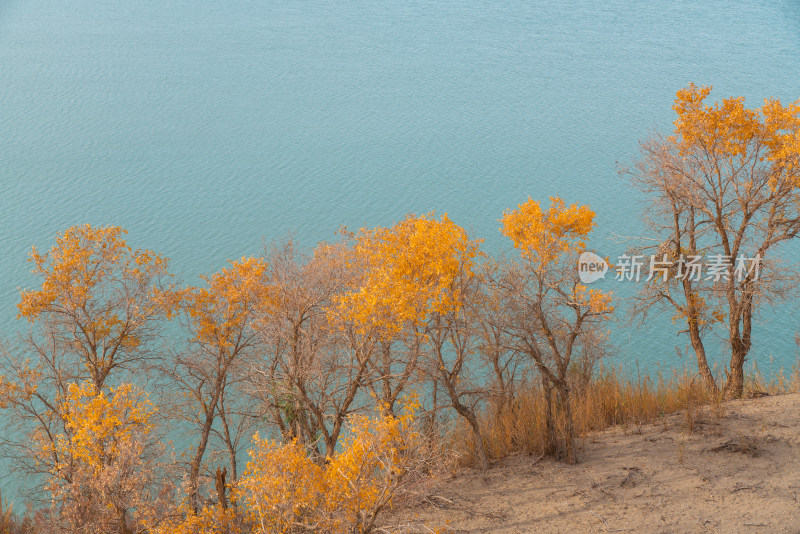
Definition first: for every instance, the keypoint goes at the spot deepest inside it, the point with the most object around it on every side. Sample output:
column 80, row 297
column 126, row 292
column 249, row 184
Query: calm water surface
column 209, row 128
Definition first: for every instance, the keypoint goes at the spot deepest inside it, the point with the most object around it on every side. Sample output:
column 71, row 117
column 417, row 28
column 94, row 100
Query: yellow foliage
column 409, row 271
column 696, row 310
column 99, row 470
column 543, row 236
column 83, row 261
column 283, row 489
column 226, row 306
column 98, row 425
column 99, row 293
column 596, row 300
column 548, row 240
column 377, row 452
column 281, row 485
column 20, row 387
column 208, row 520
column 729, row 130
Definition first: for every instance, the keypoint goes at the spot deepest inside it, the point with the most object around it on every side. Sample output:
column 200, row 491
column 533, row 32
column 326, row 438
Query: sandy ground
column 736, row 473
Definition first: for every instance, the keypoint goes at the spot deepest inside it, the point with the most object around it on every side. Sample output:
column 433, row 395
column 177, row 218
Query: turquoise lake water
column 209, row 128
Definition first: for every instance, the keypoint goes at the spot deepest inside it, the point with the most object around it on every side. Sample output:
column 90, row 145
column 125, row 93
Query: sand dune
column 738, row 471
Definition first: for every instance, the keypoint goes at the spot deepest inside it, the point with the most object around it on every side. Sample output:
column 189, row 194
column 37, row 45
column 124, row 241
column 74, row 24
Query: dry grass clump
column 742, row 444
column 756, row 385
column 11, row 523
column 518, row 426
column 8, row 522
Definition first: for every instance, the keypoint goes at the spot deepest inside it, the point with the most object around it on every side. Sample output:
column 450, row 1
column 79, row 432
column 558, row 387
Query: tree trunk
column 469, row 415
column 123, row 522
column 740, row 347
column 694, row 335
column 570, row 456
column 734, row 388
column 702, row 362
column 232, row 460
column 228, row 441
column 476, row 434
column 430, row 420
column 550, row 444
column 194, row 472
column 219, row 484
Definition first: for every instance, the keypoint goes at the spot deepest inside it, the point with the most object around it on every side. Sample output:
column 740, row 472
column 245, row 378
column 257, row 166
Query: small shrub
column 208, row 520
column 284, row 490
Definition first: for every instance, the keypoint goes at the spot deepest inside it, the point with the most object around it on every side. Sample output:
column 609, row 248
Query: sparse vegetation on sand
column 736, row 471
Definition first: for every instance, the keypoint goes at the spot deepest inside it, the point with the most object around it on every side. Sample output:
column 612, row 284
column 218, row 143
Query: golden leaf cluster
column 409, row 271
column 283, row 488
column 543, row 236
column 227, row 304
column 729, row 130
column 207, row 520
column 597, row 300
column 98, row 425
column 696, row 310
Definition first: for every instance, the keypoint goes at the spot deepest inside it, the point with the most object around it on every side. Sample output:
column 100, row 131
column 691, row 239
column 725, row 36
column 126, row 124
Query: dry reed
column 517, row 426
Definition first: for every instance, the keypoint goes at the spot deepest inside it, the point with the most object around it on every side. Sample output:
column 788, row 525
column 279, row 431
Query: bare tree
column 492, row 310
column 315, row 364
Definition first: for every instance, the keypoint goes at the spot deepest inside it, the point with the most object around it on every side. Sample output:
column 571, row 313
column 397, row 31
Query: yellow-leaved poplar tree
column 551, row 309
column 409, row 270
column 96, row 315
column 99, row 299
column 104, row 473
column 224, row 321
column 725, row 191
column 409, row 273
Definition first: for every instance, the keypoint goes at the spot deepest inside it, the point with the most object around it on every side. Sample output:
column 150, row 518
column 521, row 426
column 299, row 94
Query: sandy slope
column 737, row 473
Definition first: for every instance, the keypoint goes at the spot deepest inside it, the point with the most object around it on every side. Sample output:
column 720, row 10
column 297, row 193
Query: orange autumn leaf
column 597, row 300
column 283, row 487
column 100, row 424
